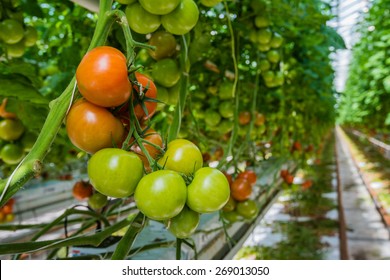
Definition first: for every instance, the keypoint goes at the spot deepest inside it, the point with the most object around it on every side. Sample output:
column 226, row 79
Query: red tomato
column 91, row 128
column 82, row 190
column 241, row 189
column 244, row 118
column 144, row 89
column 284, row 173
column 248, row 175
column 102, row 77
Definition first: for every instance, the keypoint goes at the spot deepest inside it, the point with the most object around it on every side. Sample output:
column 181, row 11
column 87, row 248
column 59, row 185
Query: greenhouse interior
column 208, row 130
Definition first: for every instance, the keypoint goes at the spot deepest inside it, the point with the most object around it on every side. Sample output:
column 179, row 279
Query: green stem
column 32, row 163
column 124, row 246
column 178, row 248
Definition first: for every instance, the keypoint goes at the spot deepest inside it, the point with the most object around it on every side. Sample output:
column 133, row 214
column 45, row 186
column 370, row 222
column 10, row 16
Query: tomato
column 226, row 109
column 261, row 21
column 153, row 137
column 273, row 56
column 174, row 93
column 102, row 77
column 159, row 7
column 11, row 31
column 247, row 209
column 209, row 191
column 182, row 156
column 7, row 209
column 225, row 126
column 140, row 20
column 30, row 36
column 279, row 78
column 231, row 217
column 259, row 119
column 97, row 201
column 264, row 65
column 91, row 128
column 268, row 76
column 165, row 44
column 166, row 72
column 276, row 41
column 16, row 50
column 11, row 154
column 182, row 19
column 244, row 118
column 230, row 205
column 82, row 190
column 226, row 90
column 248, row 175
column 307, row 184
column 241, row 189
column 264, row 36
column 284, row 173
column 184, row 225
column 126, row 2
column 147, row 89
column 212, row 118
column 11, row 129
column 263, row 48
column 115, row 172
column 163, row 97
column 161, row 195
column 210, row 3
column 289, row 179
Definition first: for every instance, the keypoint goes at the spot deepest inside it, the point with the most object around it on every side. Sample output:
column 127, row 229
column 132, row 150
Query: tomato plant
column 161, row 195
column 102, row 77
column 209, row 190
column 109, row 172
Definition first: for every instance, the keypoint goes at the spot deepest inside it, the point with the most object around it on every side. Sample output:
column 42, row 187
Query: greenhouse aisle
column 367, row 236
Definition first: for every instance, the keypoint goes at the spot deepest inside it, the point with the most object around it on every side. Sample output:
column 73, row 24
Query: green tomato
column 263, row 48
column 11, row 129
column 140, row 20
column 273, row 56
column 276, row 41
column 225, row 126
column 159, row 7
column 262, row 21
column 165, row 44
column 12, row 154
column 268, row 76
column 225, row 90
column 163, row 96
column 226, row 109
column 126, row 2
column 182, row 19
column 264, row 36
column 16, row 50
column 230, row 205
column 11, row 31
column 210, row 3
column 30, row 36
column 264, row 65
column 209, row 191
column 115, row 172
column 182, row 156
column 97, row 201
column 166, row 72
column 174, row 93
column 247, row 209
column 184, row 225
column 212, row 118
column 231, row 217
column 161, row 195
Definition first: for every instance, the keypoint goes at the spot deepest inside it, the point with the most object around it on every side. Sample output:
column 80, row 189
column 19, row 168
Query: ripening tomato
column 230, row 205
column 248, row 175
column 159, row 7
column 102, row 77
column 289, row 179
column 153, row 137
column 284, row 173
column 182, row 156
column 307, row 184
column 82, row 190
column 209, row 191
column 259, row 119
column 181, row 20
column 91, row 128
column 115, row 172
column 165, row 44
column 140, row 20
column 184, row 224
column 161, row 195
column 241, row 189
column 244, row 118
column 144, row 88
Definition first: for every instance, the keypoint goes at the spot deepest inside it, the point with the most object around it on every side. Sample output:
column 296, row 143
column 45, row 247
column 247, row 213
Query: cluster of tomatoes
column 240, row 206
column 110, row 122
column 14, row 35
column 176, row 16
column 15, row 141
column 7, row 211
